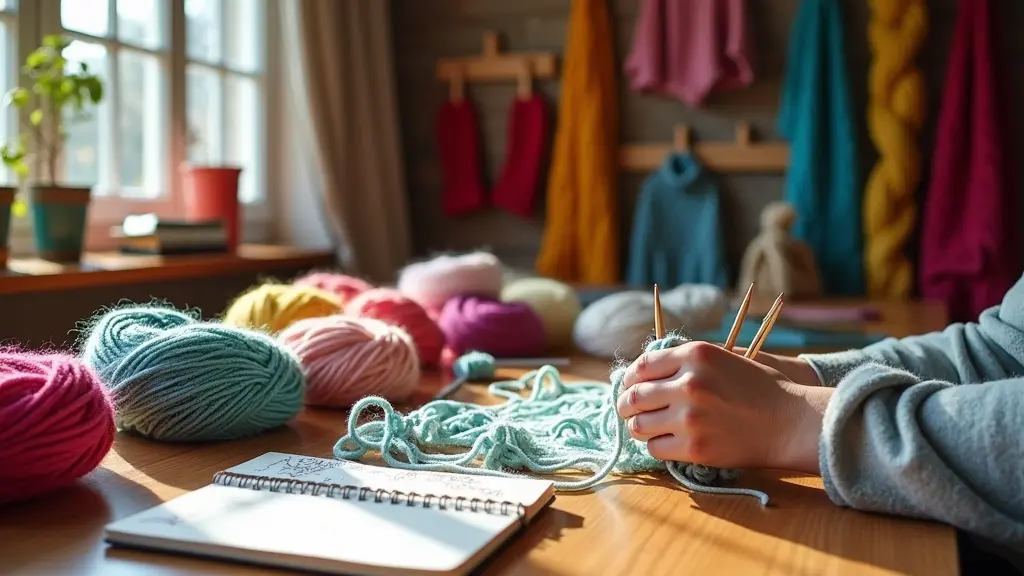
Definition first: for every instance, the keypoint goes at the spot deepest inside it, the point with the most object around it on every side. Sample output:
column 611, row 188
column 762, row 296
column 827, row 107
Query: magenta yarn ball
column 502, row 329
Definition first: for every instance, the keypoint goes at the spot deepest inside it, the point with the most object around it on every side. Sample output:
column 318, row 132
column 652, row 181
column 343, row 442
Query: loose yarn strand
column 557, row 427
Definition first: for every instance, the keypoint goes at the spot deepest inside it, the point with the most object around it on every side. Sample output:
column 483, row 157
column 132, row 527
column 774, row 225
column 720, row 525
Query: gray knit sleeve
column 895, row 443
column 990, row 349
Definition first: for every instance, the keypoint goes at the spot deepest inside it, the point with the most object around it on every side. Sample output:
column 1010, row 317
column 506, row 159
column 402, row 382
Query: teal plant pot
column 58, row 221
column 6, row 201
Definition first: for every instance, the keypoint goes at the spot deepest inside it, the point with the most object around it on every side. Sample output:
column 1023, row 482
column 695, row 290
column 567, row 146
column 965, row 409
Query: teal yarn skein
column 174, row 378
column 558, row 427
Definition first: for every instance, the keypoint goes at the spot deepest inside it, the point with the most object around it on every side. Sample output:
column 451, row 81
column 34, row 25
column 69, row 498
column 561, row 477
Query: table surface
column 642, row 524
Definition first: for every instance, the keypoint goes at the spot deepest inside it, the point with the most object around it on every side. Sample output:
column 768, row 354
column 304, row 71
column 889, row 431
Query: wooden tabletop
column 641, row 525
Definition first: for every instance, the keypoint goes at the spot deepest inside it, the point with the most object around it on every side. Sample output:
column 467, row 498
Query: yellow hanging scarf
column 581, row 234
column 896, row 112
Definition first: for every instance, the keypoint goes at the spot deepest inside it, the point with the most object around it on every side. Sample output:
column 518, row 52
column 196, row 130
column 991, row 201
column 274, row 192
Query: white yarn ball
column 699, row 307
column 618, row 325
column 556, row 303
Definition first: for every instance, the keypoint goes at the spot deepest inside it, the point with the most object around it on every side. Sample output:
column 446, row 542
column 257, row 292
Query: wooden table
column 641, row 525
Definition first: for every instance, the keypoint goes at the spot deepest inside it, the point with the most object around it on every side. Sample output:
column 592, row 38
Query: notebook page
column 308, row 533
column 526, row 491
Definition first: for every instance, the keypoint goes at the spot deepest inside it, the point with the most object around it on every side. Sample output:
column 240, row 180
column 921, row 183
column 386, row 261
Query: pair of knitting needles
column 741, row 315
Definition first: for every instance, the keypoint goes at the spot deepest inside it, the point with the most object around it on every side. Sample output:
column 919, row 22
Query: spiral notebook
column 337, row 516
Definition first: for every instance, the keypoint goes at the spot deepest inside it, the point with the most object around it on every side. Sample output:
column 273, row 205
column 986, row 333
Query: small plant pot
column 6, row 201
column 58, row 221
column 211, row 193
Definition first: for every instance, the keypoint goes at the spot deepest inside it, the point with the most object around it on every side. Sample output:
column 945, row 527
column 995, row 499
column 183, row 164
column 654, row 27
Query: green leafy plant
column 54, row 87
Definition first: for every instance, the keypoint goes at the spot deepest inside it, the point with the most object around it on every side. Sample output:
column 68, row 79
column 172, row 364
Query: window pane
column 86, row 16
column 9, row 117
column 86, row 155
column 202, row 31
column 141, row 130
column 244, row 133
column 142, row 22
column 203, row 111
column 243, row 28
column 9, row 5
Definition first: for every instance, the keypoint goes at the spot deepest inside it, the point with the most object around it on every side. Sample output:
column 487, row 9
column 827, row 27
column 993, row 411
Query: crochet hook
column 766, row 327
column 470, row 366
column 737, row 324
column 659, row 321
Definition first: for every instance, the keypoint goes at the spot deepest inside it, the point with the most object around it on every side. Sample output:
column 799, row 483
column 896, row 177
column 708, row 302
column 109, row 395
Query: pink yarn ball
column 503, row 329
column 390, row 306
column 56, row 423
column 345, row 287
column 347, row 358
column 434, row 282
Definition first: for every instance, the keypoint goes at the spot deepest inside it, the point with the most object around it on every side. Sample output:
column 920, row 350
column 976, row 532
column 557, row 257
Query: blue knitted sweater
column 676, row 237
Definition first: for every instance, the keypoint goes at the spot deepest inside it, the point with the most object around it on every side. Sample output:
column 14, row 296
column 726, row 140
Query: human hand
column 700, row 403
column 797, row 370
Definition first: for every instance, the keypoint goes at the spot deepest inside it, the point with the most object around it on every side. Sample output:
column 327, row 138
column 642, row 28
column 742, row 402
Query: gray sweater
column 932, row 426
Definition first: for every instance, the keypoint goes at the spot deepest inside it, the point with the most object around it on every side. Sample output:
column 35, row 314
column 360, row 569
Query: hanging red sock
column 528, row 126
column 458, row 146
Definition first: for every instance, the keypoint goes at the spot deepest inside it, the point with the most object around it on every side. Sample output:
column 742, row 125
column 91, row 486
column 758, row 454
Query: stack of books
column 149, row 234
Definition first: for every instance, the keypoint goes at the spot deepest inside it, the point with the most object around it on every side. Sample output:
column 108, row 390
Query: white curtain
column 345, row 83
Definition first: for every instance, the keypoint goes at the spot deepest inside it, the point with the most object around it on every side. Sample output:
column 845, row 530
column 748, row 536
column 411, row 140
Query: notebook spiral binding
column 364, row 494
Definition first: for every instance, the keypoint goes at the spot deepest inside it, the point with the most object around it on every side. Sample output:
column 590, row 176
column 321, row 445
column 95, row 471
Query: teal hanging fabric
column 677, row 238
column 816, row 116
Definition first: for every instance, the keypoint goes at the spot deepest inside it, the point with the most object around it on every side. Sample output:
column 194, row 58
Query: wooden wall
column 426, row 30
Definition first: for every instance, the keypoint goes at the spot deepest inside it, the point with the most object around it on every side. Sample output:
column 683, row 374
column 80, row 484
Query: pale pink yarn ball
column 348, row 358
column 343, row 286
column 434, row 282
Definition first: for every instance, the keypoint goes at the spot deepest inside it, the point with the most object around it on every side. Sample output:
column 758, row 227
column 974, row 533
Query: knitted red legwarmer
column 458, row 146
column 528, row 125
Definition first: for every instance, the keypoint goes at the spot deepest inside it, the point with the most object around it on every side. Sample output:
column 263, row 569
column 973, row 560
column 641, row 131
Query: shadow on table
column 803, row 514
column 548, row 527
column 62, row 532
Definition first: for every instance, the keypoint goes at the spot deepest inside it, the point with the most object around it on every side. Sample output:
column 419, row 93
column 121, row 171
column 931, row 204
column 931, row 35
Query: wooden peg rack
column 739, row 156
column 494, row 65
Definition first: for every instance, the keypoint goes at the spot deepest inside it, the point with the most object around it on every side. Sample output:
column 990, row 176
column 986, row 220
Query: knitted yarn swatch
column 559, row 427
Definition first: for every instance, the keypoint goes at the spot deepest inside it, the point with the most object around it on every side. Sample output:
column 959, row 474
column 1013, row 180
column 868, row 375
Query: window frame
column 42, row 17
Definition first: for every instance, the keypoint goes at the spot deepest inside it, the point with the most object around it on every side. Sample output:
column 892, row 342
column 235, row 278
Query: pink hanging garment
column 528, row 127
column 690, row 48
column 969, row 230
column 458, row 149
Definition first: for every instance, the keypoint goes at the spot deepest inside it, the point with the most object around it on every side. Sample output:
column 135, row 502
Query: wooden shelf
column 113, row 268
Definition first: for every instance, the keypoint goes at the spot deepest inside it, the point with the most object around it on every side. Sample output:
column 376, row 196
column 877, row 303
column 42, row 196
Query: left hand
column 700, row 403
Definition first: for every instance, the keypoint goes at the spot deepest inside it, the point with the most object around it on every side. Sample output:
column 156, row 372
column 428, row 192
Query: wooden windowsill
column 113, row 268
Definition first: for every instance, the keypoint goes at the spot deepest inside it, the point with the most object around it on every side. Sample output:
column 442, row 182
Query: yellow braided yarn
column 896, row 111
column 273, row 307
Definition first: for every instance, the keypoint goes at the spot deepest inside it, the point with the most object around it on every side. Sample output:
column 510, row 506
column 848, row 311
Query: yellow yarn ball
column 556, row 303
column 274, row 307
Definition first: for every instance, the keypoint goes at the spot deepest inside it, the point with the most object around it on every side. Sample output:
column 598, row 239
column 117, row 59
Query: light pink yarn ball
column 434, row 282
column 348, row 358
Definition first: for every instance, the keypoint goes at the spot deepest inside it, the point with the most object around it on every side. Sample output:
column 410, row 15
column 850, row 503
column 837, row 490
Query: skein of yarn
column 56, row 423
column 273, row 307
column 618, row 325
column 698, row 307
column 174, row 378
column 504, row 329
column 434, row 282
column 346, row 358
column 343, row 286
column 555, row 302
column 392, row 307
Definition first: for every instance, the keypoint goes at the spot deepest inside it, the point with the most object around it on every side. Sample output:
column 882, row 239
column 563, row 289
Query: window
column 185, row 81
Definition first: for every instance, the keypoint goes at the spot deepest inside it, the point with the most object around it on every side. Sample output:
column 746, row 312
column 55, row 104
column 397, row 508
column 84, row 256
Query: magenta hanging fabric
column 970, row 229
column 688, row 49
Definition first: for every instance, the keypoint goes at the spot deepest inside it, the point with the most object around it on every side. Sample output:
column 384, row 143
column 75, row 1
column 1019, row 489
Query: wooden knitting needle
column 659, row 325
column 737, row 324
column 766, row 327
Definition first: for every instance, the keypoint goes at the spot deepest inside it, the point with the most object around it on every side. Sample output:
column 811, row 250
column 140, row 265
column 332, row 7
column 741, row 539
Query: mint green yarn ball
column 174, row 378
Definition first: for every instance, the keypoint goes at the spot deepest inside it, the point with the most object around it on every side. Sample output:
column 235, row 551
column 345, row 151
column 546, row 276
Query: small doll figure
column 778, row 263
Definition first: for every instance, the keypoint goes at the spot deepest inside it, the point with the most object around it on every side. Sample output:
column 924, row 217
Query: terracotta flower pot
column 58, row 221
column 211, row 193
column 6, row 201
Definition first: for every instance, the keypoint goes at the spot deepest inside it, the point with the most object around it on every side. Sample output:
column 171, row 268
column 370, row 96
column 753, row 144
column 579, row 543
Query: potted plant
column 57, row 93
column 210, row 192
